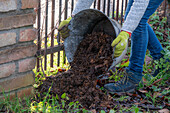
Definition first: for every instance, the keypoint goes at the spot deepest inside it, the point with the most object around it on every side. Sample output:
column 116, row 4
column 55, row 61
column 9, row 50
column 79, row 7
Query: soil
column 92, row 58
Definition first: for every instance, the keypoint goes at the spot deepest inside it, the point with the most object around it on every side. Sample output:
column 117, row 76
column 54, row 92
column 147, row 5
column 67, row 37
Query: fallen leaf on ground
column 93, row 111
column 156, row 94
column 143, row 91
column 163, row 111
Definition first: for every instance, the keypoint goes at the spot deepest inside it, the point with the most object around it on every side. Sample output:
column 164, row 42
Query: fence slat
column 52, row 34
column 58, row 37
column 65, row 17
column 72, row 6
column 104, row 5
column 122, row 13
column 98, row 5
column 66, row 8
column 108, row 7
column 50, row 50
column 38, row 26
column 117, row 10
column 46, row 35
column 113, row 13
column 94, row 5
column 126, row 4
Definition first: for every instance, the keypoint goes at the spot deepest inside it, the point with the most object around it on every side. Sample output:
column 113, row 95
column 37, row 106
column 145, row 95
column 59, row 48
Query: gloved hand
column 63, row 28
column 120, row 42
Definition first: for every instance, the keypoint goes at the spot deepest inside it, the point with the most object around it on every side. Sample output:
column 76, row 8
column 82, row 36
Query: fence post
column 117, row 10
column 52, row 34
column 39, row 29
column 98, row 5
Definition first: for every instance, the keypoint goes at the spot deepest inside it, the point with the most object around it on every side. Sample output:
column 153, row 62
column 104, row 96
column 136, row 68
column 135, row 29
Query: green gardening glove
column 63, row 28
column 120, row 42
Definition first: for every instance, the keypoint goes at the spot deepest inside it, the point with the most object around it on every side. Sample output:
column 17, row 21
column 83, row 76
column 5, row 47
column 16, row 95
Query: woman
column 142, row 38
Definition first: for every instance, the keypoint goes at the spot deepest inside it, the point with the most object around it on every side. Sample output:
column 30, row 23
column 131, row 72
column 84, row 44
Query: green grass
column 48, row 104
column 16, row 105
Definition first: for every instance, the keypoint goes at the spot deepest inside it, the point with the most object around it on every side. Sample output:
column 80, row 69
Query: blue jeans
column 144, row 38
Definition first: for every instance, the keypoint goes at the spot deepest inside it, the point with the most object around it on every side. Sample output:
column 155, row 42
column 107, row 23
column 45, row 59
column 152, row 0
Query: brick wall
column 17, row 49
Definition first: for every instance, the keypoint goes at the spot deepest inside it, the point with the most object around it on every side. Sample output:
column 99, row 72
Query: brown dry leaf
column 167, row 104
column 163, row 111
column 98, row 66
column 137, row 103
column 143, row 91
column 144, row 101
column 167, row 88
column 104, row 104
column 148, row 59
column 110, row 97
column 156, row 94
column 93, row 111
column 136, row 95
column 61, row 70
column 144, row 80
column 157, row 81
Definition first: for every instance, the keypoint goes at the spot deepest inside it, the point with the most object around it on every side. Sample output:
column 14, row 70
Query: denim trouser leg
column 154, row 45
column 143, row 37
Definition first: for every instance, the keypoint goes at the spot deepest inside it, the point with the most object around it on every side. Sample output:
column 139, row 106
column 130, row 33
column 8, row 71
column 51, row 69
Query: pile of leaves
column 92, row 58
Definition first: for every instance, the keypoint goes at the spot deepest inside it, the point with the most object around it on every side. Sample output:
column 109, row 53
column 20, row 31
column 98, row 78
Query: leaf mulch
column 93, row 58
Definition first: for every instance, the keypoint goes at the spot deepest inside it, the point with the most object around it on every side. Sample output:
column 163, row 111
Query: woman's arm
column 135, row 15
column 81, row 5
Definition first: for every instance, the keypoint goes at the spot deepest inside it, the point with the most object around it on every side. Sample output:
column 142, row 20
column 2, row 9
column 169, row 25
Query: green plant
column 112, row 111
column 160, row 26
column 122, row 98
column 51, row 103
column 149, row 96
column 135, row 109
column 102, row 111
column 116, row 76
column 164, row 65
column 15, row 105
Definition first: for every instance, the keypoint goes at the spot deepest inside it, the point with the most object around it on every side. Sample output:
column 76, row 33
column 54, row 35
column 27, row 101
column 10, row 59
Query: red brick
column 8, row 5
column 7, row 39
column 28, row 35
column 17, row 82
column 17, row 21
column 7, row 70
column 17, row 53
column 29, row 4
column 25, row 92
column 27, row 64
